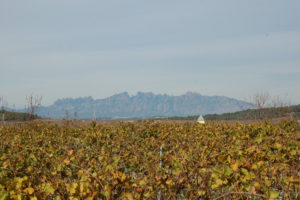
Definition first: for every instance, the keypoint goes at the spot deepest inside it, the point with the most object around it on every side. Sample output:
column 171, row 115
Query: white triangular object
column 200, row 120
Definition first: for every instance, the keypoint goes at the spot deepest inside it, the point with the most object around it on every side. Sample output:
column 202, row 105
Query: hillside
column 142, row 105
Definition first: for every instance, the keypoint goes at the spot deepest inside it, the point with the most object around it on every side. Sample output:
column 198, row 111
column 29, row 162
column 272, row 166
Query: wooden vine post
column 159, row 197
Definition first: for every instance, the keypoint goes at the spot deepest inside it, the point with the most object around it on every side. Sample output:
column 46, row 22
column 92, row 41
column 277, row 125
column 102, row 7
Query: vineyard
column 150, row 160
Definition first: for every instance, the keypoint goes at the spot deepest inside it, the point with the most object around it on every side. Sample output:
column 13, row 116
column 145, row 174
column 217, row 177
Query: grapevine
column 124, row 161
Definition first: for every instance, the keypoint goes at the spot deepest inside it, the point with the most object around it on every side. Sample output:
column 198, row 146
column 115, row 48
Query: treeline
column 15, row 116
column 251, row 114
column 256, row 114
column 33, row 103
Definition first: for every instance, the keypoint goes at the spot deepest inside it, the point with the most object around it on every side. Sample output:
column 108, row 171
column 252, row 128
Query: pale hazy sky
column 73, row 48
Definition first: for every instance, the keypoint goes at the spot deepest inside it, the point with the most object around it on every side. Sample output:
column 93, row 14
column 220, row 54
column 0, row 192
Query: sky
column 76, row 48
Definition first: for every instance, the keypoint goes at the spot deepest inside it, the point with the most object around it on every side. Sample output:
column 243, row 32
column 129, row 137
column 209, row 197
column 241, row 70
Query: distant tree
column 1, row 99
column 269, row 106
column 67, row 115
column 14, row 108
column 3, row 103
column 260, row 100
column 276, row 102
column 282, row 106
column 75, row 115
column 33, row 104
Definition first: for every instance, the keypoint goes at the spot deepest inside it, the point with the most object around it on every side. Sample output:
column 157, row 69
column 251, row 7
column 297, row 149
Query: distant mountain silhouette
column 142, row 105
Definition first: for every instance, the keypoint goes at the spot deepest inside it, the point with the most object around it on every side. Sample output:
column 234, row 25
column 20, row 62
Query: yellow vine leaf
column 48, row 189
column 123, row 177
column 273, row 195
column 217, row 184
column 29, row 190
column 169, row 182
column 70, row 152
column 129, row 196
column 142, row 182
column 235, row 166
column 72, row 188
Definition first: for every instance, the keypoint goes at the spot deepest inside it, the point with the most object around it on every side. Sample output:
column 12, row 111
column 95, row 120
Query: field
column 150, row 160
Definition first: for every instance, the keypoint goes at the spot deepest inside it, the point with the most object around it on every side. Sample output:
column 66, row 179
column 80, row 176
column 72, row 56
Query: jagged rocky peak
column 144, row 105
column 123, row 95
column 74, row 100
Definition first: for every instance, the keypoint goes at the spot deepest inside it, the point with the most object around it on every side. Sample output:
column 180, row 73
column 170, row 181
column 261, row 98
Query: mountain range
column 141, row 106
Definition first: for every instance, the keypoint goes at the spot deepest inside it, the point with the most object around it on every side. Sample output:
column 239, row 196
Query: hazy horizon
column 60, row 49
column 280, row 100
column 11, row 106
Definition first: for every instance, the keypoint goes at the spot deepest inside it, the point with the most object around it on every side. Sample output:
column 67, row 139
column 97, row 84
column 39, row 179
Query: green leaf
column 228, row 171
column 48, row 189
column 258, row 139
column 244, row 171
